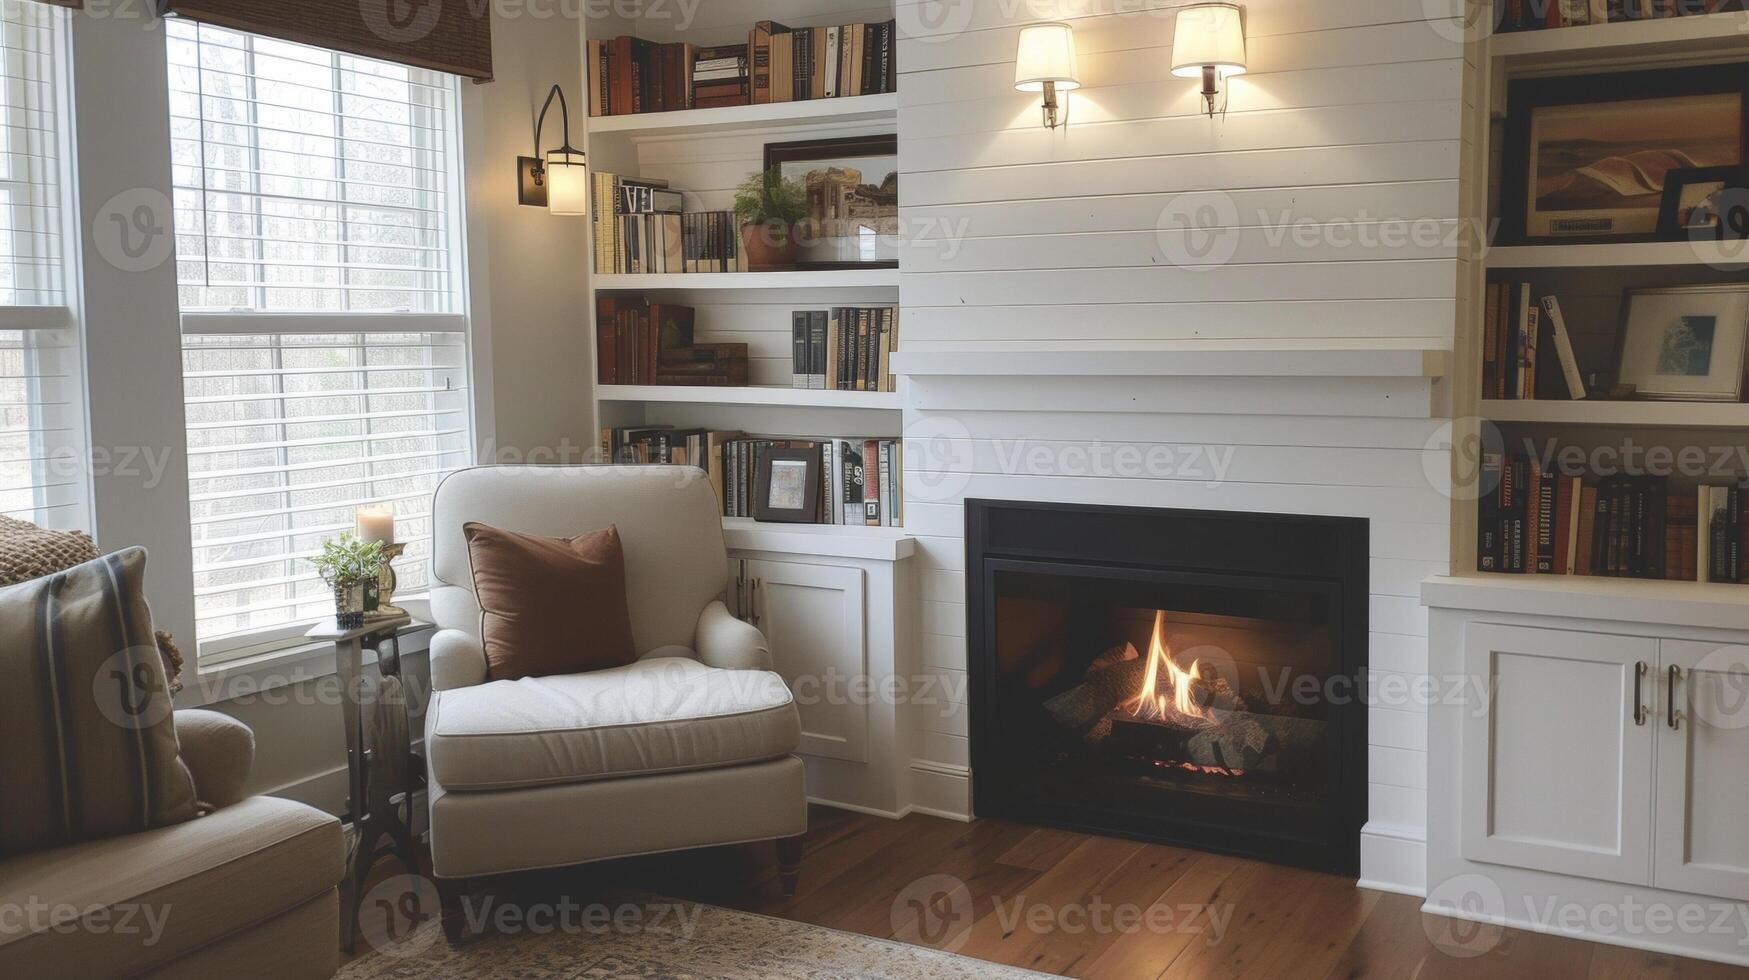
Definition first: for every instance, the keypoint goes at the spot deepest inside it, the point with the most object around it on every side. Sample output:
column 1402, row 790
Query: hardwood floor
column 1086, row 906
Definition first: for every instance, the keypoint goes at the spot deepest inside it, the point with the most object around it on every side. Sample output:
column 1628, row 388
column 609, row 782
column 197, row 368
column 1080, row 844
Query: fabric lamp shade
column 567, row 183
column 1209, row 35
column 1046, row 54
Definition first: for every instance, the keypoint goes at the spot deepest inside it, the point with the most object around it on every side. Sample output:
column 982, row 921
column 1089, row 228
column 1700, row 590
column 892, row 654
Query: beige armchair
column 690, row 746
column 247, row 890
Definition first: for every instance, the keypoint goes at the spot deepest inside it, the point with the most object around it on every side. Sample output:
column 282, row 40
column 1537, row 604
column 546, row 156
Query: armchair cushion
column 550, row 605
column 661, row 714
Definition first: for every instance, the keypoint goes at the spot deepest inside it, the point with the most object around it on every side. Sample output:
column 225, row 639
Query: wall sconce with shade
column 557, row 180
column 1209, row 41
column 1045, row 62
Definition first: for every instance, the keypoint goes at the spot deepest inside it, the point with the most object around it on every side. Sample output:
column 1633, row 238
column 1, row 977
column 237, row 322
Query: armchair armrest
column 457, row 660
column 726, row 642
column 218, row 751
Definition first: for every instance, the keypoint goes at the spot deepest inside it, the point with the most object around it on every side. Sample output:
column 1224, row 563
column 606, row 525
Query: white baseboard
column 1607, row 939
column 1394, row 859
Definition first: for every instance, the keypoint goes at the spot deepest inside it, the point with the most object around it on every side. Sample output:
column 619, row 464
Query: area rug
column 651, row 938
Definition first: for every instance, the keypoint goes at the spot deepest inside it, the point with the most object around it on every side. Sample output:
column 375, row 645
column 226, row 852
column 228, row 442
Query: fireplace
column 1182, row 676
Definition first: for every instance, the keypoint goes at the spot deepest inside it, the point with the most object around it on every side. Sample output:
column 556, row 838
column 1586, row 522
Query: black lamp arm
column 540, row 123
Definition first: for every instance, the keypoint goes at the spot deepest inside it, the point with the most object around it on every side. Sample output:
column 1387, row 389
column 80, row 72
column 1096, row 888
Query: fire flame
column 1150, row 702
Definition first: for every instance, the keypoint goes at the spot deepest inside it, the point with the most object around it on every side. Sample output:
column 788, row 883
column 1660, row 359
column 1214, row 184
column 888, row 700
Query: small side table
column 382, row 772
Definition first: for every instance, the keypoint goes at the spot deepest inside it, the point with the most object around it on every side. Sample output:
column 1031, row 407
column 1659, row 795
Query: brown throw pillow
column 550, row 605
column 85, row 712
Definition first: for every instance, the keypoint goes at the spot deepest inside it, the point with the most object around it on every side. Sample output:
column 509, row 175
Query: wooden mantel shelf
column 1337, row 358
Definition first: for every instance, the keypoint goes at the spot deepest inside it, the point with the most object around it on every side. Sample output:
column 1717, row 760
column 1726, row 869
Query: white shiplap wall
column 1351, row 122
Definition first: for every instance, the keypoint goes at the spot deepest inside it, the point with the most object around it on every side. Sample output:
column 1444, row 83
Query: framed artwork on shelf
column 787, row 486
column 1706, row 203
column 1588, row 158
column 853, row 199
column 1685, row 343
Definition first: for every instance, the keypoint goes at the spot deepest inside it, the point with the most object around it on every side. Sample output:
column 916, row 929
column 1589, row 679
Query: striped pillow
column 85, row 713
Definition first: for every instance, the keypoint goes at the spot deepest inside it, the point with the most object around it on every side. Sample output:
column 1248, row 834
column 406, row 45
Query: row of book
column 797, row 64
column 860, row 478
column 641, row 227
column 1541, row 522
column 629, row 75
column 1531, row 15
column 644, row 343
column 1524, row 340
column 846, row 348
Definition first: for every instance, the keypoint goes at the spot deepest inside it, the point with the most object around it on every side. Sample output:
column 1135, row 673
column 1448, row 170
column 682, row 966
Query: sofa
column 248, row 889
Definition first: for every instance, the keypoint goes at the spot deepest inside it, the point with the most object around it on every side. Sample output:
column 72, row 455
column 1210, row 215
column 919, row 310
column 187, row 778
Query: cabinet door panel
column 1556, row 770
column 813, row 615
column 1703, row 770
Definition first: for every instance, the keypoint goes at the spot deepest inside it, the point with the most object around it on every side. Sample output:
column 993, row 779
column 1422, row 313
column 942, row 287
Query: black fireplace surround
column 1189, row 677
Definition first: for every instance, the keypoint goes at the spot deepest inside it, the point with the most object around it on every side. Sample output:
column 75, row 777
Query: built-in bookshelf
column 1590, row 282
column 704, row 153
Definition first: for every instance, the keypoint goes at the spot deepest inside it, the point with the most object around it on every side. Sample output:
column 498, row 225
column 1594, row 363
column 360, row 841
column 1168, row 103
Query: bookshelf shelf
column 689, row 122
column 1688, row 38
column 1725, row 257
column 1713, row 605
column 829, row 540
column 787, row 397
column 1683, row 415
column 825, row 279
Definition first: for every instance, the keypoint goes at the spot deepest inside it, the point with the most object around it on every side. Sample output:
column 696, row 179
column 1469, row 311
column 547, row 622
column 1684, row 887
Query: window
column 324, row 350
column 42, row 474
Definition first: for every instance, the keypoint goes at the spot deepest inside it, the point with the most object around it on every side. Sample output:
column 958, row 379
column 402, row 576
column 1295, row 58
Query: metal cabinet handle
column 741, row 590
column 1670, row 714
column 1641, row 669
column 753, row 604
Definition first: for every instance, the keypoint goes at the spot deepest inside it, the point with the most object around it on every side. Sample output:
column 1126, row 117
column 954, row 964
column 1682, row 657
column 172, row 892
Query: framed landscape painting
column 1588, row 158
column 853, row 200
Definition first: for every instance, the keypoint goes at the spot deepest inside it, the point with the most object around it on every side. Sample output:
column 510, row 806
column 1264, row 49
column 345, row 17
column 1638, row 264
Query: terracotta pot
column 769, row 247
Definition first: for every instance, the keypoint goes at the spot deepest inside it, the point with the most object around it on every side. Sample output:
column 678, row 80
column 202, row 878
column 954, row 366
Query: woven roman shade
column 453, row 36
column 75, row 4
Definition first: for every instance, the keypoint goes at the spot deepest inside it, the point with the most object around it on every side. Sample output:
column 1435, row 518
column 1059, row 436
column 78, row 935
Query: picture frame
column 1698, row 204
column 787, row 486
column 1586, row 156
column 1684, row 343
column 853, row 199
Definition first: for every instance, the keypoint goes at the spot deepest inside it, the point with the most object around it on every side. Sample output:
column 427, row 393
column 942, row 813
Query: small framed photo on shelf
column 787, row 486
column 1705, row 203
column 1588, row 158
column 853, row 199
column 1685, row 343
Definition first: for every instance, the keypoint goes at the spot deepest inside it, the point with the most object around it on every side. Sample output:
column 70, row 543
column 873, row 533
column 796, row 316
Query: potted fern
column 350, row 566
column 769, row 207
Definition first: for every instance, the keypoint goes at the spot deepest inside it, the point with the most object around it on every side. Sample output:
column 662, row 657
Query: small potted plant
column 769, row 207
column 349, row 566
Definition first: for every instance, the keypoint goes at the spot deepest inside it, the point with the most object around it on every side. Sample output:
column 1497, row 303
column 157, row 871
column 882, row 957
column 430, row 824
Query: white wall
column 1030, row 238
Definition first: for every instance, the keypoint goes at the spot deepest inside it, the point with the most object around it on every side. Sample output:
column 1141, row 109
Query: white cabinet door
column 814, row 617
column 1702, row 842
column 1557, row 760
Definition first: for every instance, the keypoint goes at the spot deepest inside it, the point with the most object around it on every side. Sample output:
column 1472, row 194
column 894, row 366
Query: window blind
column 42, row 470
column 324, row 354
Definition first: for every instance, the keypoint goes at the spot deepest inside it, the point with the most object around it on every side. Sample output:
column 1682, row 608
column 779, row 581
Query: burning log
column 1110, row 681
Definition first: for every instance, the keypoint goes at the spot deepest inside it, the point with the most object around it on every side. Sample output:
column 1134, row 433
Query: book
column 1563, row 345
column 801, row 358
column 759, row 47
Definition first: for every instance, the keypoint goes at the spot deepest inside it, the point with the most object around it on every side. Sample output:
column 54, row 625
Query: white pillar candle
column 376, row 524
